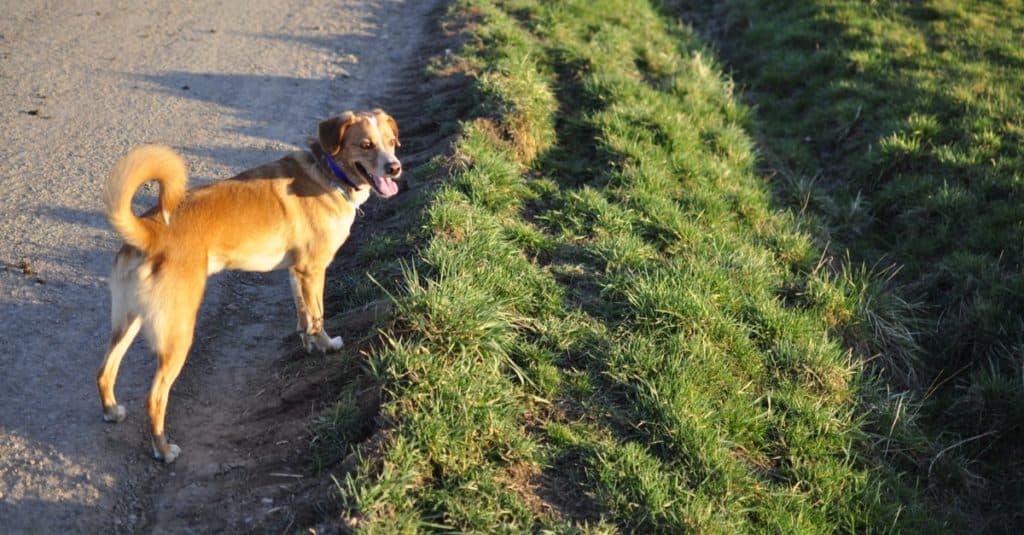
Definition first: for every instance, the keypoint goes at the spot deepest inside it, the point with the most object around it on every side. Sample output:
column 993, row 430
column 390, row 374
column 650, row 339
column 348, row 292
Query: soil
column 229, row 86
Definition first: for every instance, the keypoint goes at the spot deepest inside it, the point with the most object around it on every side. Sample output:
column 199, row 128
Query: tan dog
column 293, row 213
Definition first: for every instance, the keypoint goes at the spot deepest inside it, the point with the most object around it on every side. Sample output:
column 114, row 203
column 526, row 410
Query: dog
column 294, row 213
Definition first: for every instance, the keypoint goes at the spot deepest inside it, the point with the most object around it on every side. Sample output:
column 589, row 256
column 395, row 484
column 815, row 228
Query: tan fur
column 285, row 214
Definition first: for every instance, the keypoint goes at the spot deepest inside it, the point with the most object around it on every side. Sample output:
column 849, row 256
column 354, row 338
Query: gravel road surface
column 228, row 84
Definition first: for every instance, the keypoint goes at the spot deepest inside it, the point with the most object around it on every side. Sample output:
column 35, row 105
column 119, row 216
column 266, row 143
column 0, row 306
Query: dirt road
column 229, row 86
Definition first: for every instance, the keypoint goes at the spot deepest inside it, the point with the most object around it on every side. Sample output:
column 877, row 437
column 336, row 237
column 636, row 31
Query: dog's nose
column 394, row 168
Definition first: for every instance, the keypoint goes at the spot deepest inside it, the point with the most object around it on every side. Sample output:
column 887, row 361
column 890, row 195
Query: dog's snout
column 394, row 168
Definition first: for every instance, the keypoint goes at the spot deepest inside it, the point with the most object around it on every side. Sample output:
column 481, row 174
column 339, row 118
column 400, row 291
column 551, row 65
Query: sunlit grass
column 608, row 325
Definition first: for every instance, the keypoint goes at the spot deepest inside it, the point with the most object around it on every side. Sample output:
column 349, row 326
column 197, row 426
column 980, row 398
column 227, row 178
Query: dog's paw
column 334, row 344
column 321, row 342
column 173, row 451
column 310, row 343
column 307, row 342
column 115, row 414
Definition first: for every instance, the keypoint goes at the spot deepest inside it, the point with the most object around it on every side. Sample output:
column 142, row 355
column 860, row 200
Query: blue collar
column 338, row 172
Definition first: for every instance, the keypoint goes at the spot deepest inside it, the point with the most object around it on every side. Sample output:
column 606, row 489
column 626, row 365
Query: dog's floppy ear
column 391, row 123
column 394, row 128
column 332, row 131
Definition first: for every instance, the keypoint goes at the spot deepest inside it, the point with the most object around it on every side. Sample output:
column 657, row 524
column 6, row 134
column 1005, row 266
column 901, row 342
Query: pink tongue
column 385, row 186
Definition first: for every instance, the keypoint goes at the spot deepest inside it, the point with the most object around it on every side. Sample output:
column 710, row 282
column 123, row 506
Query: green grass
column 609, row 324
column 896, row 128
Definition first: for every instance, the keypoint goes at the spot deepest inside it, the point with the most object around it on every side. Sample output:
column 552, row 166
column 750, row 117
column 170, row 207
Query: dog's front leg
column 308, row 287
column 300, row 304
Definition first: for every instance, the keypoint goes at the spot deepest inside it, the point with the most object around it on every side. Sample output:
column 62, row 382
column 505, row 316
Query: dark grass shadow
column 822, row 117
column 577, row 160
column 565, row 486
column 898, row 224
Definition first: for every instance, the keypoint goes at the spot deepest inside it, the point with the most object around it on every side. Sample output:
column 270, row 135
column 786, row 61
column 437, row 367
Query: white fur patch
column 117, row 416
column 214, row 265
column 335, row 343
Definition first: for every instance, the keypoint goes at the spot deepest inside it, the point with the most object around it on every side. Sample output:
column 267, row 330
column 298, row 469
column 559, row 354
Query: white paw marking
column 335, row 343
column 117, row 417
column 172, row 453
column 320, row 341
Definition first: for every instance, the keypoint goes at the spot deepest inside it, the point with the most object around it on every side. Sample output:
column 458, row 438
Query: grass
column 896, row 129
column 610, row 324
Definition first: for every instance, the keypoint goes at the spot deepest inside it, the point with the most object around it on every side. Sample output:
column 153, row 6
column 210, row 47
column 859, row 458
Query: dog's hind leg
column 172, row 350
column 124, row 330
column 124, row 327
column 172, row 324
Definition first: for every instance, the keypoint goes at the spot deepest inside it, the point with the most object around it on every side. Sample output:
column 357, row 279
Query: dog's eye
column 367, row 144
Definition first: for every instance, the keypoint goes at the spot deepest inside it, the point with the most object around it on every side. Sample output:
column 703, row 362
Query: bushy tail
column 142, row 164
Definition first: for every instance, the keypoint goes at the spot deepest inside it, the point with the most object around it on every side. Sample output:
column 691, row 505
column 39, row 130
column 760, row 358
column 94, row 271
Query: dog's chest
column 337, row 230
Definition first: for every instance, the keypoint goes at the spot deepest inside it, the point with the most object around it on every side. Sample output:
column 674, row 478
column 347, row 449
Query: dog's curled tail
column 142, row 164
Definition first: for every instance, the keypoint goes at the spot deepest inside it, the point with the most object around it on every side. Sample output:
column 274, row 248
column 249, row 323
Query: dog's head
column 365, row 143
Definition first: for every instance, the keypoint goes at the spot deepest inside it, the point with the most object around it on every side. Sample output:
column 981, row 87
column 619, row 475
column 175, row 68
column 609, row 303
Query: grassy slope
column 899, row 128
column 608, row 325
